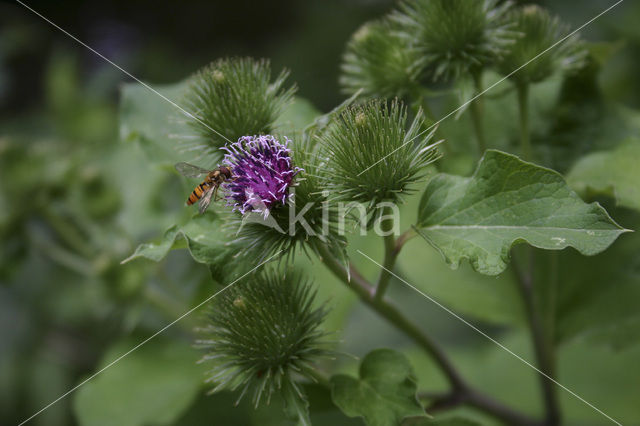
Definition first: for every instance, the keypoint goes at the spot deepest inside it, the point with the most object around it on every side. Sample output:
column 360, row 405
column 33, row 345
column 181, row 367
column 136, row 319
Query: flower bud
column 539, row 31
column 262, row 334
column 379, row 62
column 292, row 214
column 372, row 156
column 456, row 37
column 235, row 97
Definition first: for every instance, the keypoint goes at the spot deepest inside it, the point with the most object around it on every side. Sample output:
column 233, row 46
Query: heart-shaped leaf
column 385, row 392
column 505, row 202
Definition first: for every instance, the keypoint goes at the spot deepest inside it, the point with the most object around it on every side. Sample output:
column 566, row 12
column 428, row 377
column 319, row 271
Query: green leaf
column 491, row 299
column 597, row 297
column 612, row 173
column 202, row 236
column 322, row 409
column 508, row 201
column 156, row 251
column 205, row 241
column 385, row 392
column 296, row 405
column 154, row 384
column 152, row 122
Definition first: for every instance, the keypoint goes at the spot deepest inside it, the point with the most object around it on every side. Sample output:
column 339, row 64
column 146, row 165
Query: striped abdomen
column 198, row 192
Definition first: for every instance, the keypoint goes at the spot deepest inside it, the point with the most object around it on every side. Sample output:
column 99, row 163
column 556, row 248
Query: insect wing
column 189, row 170
column 206, row 199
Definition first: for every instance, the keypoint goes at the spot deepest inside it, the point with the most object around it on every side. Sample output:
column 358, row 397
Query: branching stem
column 461, row 392
column 403, row 238
column 356, row 282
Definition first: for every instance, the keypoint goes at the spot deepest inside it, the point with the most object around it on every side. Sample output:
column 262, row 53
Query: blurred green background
column 75, row 200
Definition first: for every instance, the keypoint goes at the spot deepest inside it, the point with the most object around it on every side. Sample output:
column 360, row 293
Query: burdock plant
column 373, row 155
column 539, row 32
column 380, row 62
column 459, row 39
column 425, row 42
column 280, row 198
column 456, row 37
column 263, row 172
column 286, row 193
column 235, row 97
column 263, row 336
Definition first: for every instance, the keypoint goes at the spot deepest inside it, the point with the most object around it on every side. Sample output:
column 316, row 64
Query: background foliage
column 85, row 178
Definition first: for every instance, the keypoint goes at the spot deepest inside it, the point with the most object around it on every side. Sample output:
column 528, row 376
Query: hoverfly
column 208, row 189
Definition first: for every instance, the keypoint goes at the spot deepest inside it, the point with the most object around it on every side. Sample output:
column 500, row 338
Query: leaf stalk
column 523, row 108
column 477, row 112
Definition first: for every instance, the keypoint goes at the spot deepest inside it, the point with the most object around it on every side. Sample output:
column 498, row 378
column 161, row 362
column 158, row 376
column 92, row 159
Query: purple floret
column 262, row 173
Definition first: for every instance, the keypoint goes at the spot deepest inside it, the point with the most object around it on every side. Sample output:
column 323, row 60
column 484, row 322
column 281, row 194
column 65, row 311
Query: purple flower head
column 262, row 173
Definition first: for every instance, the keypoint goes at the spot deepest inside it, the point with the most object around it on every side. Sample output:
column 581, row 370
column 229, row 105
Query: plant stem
column 419, row 101
column 551, row 301
column 390, row 256
column 461, row 392
column 366, row 292
column 482, row 402
column 542, row 344
column 477, row 113
column 543, row 347
column 523, row 106
column 403, row 238
column 499, row 411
